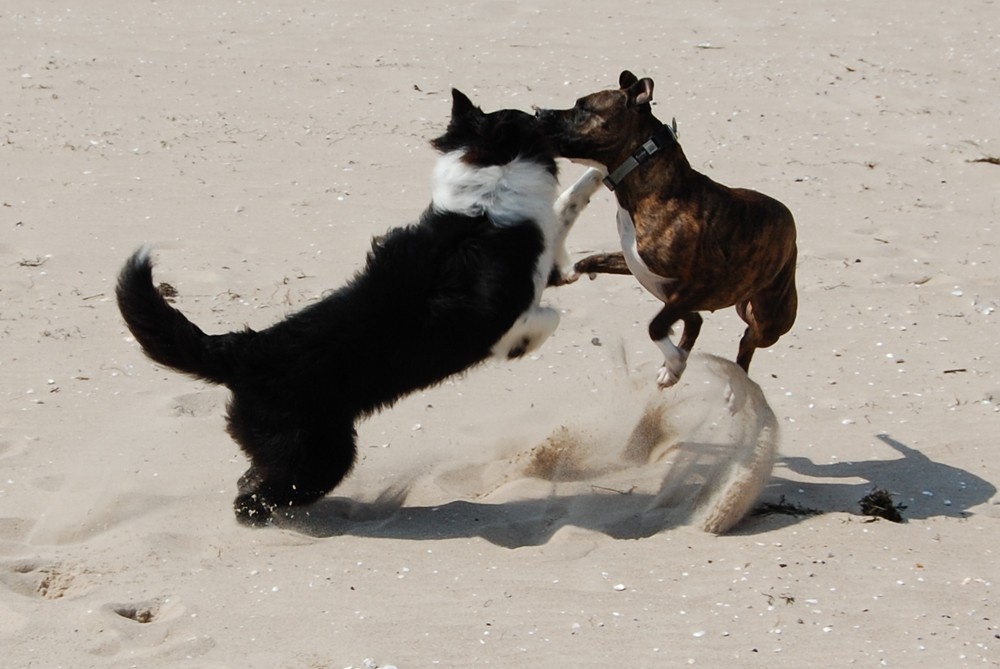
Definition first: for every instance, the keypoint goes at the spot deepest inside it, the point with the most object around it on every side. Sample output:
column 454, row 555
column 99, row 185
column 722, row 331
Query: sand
column 514, row 516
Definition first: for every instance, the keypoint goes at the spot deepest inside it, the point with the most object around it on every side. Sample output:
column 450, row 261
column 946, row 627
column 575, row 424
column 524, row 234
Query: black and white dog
column 434, row 298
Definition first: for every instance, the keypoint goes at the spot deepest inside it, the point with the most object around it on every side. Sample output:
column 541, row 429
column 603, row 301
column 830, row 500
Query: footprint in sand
column 148, row 611
column 154, row 630
column 49, row 482
column 32, row 578
column 9, row 449
column 198, row 405
column 15, row 530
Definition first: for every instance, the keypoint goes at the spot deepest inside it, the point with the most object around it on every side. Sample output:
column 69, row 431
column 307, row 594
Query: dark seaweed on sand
column 878, row 504
column 784, row 508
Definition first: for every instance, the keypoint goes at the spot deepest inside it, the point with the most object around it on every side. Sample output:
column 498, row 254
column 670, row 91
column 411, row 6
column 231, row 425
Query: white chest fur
column 521, row 190
column 654, row 283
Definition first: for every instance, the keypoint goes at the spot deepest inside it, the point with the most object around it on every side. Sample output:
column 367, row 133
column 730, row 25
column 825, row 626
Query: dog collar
column 666, row 135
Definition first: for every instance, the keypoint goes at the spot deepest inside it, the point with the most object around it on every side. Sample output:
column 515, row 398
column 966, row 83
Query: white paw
column 574, row 199
column 567, row 275
column 674, row 363
column 591, row 180
column 670, row 373
column 563, row 266
column 528, row 333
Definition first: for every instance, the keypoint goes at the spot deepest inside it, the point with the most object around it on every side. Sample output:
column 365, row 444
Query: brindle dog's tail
column 165, row 334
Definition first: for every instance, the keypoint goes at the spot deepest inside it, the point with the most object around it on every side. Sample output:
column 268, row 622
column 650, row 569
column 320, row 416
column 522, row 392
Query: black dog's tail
column 165, row 334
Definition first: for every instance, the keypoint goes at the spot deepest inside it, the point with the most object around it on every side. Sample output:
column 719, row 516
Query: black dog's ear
column 626, row 79
column 466, row 120
column 461, row 106
column 640, row 92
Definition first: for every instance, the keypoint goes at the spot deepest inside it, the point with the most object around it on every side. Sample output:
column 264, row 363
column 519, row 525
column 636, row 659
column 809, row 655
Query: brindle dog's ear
column 626, row 79
column 641, row 92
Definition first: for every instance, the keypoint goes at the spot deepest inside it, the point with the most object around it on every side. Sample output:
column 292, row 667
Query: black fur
column 431, row 301
column 494, row 139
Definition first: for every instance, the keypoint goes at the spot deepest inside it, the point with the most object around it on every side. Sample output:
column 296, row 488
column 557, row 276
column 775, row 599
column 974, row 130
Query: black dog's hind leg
column 289, row 468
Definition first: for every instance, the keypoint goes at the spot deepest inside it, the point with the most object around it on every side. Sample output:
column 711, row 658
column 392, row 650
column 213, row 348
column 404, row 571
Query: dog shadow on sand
column 703, row 455
column 922, row 487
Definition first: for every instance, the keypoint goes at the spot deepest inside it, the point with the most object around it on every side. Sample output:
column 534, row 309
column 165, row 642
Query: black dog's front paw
column 250, row 505
column 559, row 277
column 261, row 494
column 253, row 510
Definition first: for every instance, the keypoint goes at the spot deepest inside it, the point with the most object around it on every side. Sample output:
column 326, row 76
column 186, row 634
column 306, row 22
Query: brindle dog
column 695, row 244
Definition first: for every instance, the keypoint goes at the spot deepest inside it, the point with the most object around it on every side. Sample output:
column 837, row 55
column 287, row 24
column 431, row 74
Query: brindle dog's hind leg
column 768, row 314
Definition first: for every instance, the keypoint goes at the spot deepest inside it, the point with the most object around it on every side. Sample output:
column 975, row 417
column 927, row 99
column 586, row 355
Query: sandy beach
column 496, row 520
